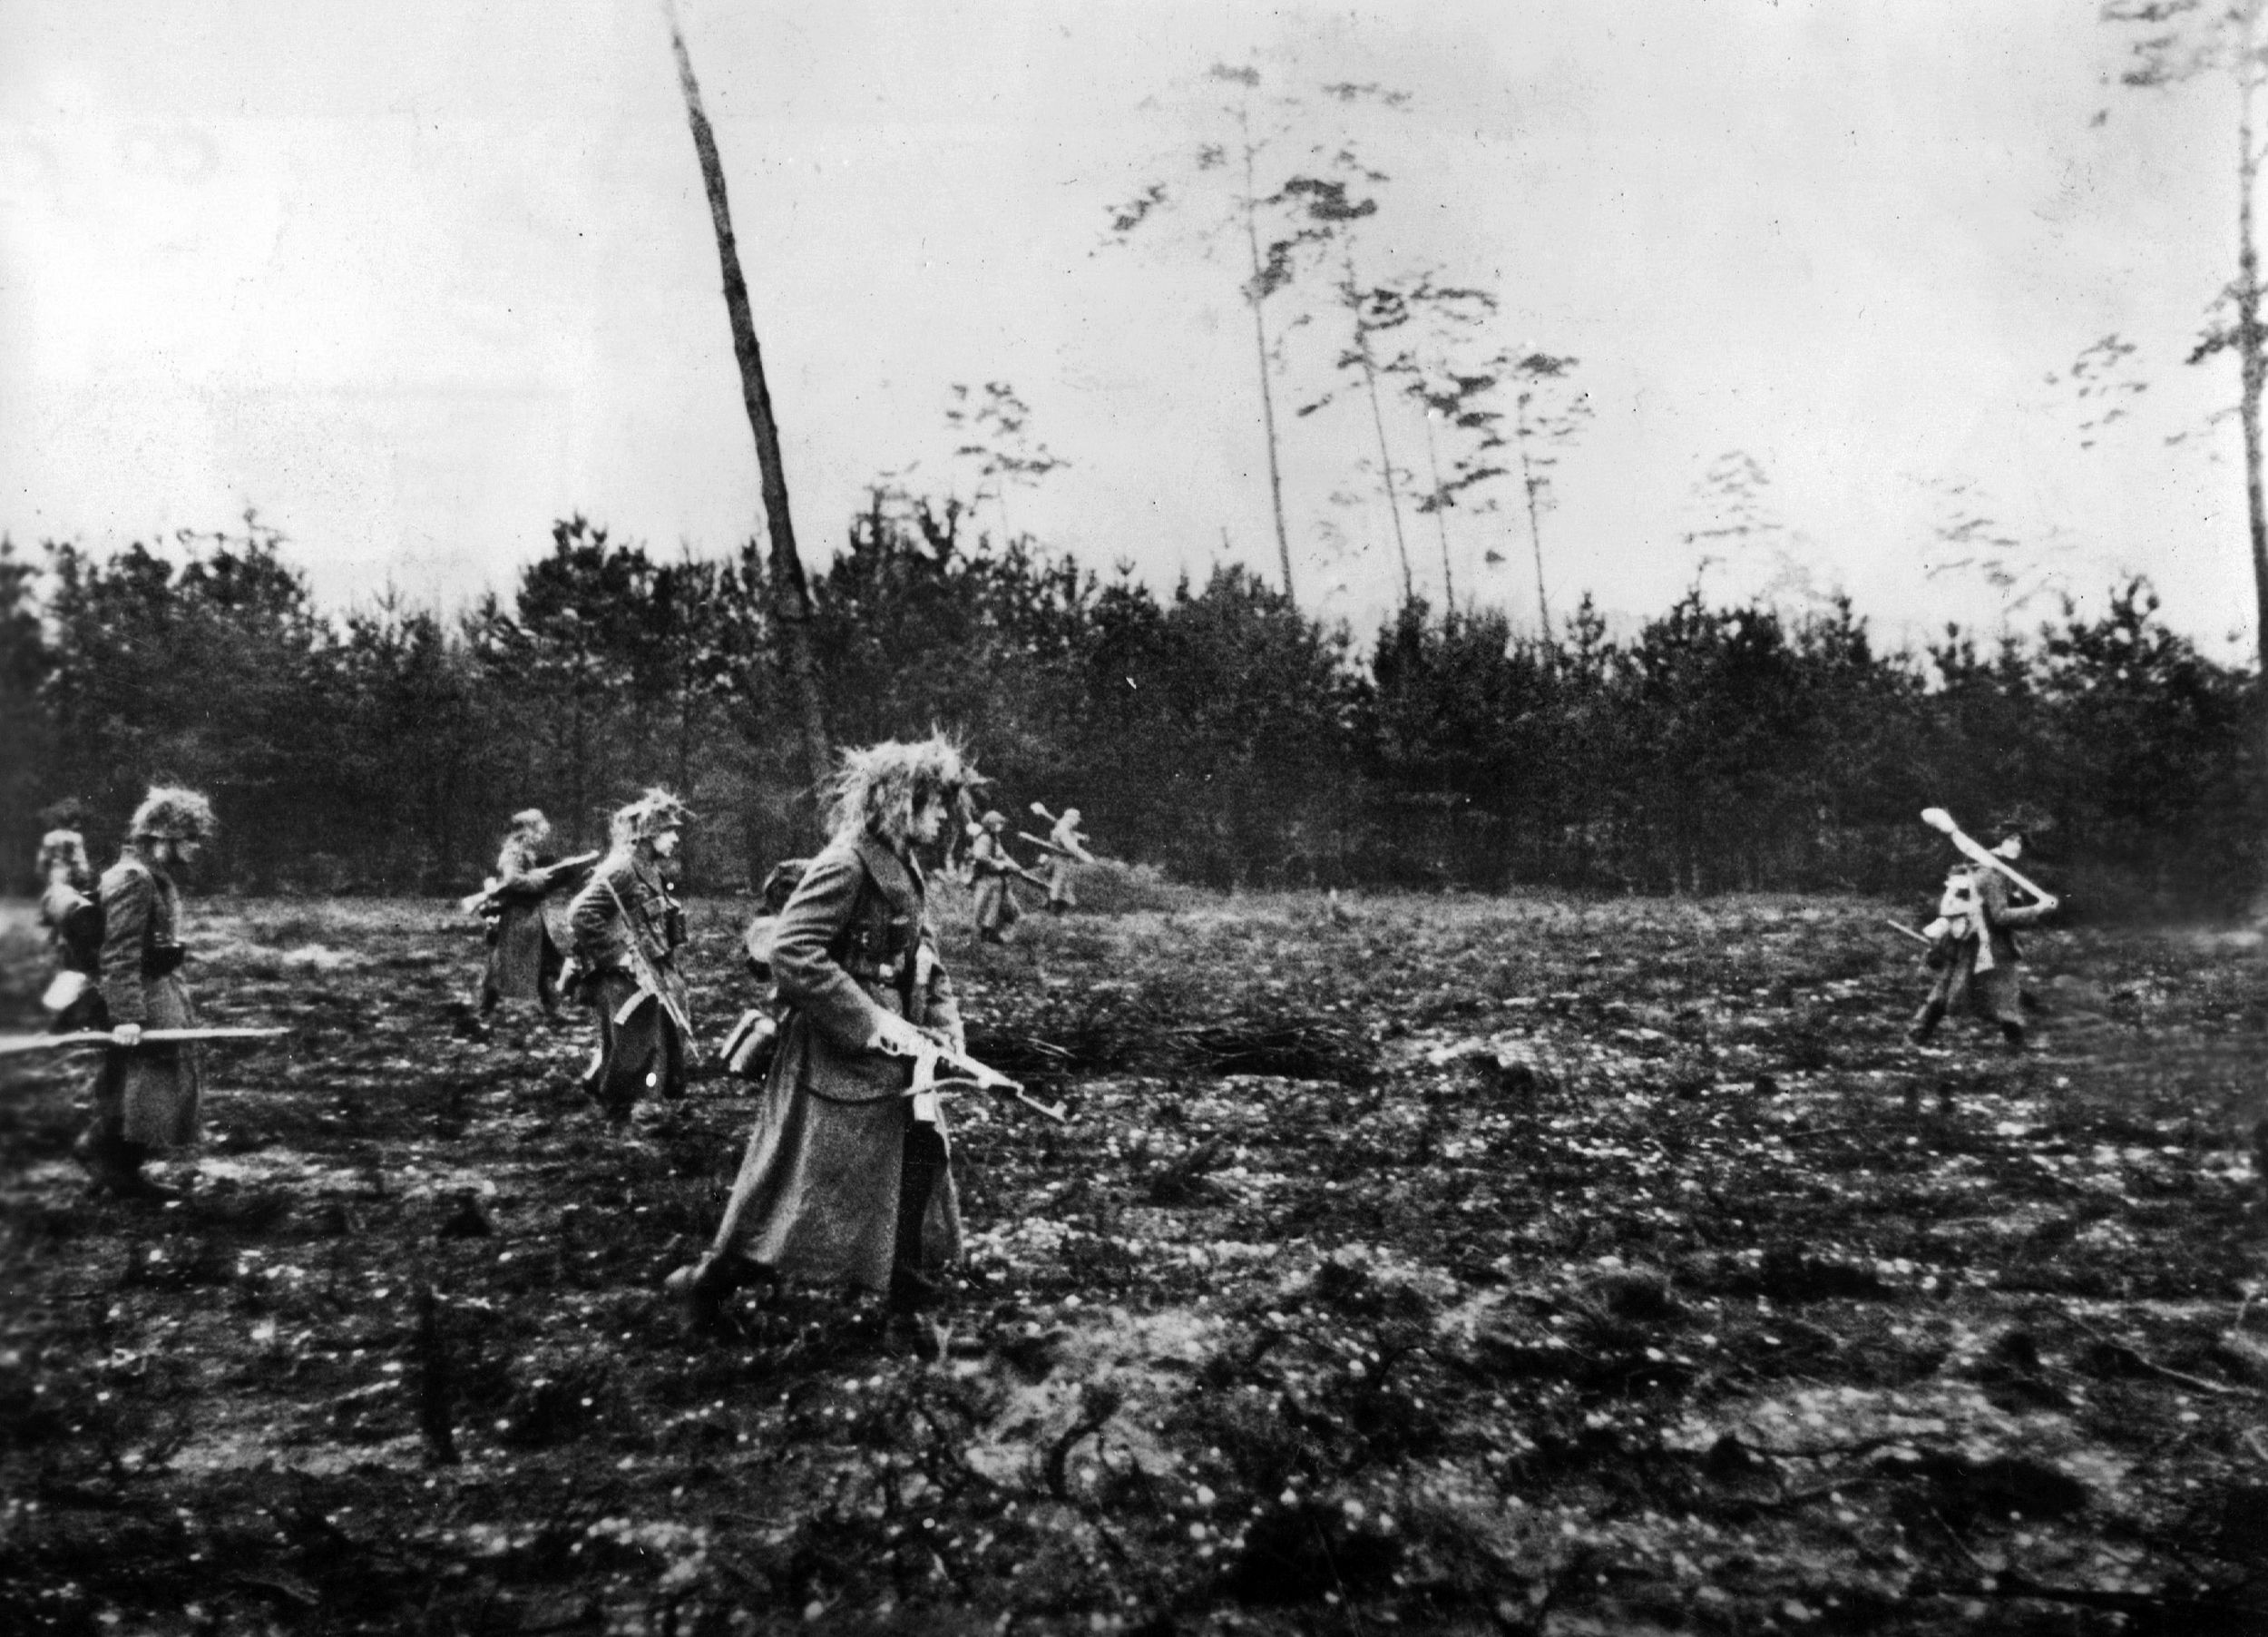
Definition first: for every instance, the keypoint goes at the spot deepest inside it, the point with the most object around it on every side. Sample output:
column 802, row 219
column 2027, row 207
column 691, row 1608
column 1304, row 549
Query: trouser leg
column 109, row 1159
column 923, row 1161
column 1999, row 998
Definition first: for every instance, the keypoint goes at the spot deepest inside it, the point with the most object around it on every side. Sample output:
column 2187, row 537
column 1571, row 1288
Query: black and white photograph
column 1140, row 818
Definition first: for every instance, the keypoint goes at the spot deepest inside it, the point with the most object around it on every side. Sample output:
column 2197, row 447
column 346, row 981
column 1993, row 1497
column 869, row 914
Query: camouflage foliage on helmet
column 170, row 812
column 653, row 813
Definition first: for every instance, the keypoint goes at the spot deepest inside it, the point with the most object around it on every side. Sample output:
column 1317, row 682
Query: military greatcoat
column 826, row 1169
column 522, row 962
column 996, row 909
column 145, row 1094
column 624, row 912
column 1980, row 976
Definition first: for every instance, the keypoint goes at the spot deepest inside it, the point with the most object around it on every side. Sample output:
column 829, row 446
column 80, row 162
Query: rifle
column 12, row 1045
column 930, row 1056
column 1899, row 927
column 1026, row 875
column 650, row 982
column 479, row 903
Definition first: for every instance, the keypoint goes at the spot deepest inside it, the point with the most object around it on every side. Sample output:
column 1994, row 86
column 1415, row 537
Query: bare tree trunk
column 1378, row 421
column 2251, row 350
column 1256, row 295
column 1440, row 516
column 791, row 595
column 1528, row 483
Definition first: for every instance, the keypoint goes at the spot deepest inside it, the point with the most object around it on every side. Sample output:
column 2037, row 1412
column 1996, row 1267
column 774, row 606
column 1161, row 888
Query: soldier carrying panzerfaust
column 1065, row 845
column 1971, row 942
column 148, row 1089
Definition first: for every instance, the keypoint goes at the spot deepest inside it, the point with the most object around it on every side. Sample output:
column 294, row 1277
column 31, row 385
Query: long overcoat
column 147, row 1095
column 990, row 861
column 625, row 905
column 523, row 960
column 817, row 1194
column 1987, row 986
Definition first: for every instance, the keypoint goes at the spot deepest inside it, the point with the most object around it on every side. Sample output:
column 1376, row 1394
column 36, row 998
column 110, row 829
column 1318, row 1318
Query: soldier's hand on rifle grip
column 126, row 1035
column 894, row 1033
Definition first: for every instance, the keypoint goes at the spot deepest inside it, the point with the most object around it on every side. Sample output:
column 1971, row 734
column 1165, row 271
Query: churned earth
column 1444, row 1264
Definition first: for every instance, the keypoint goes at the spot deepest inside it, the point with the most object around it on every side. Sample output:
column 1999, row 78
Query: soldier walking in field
column 627, row 929
column 1973, row 946
column 993, row 864
column 523, row 961
column 1065, row 847
column 146, row 1095
column 847, row 1179
column 74, row 921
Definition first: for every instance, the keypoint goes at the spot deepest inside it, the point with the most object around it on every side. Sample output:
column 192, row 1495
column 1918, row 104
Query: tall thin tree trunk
column 2252, row 347
column 1535, row 529
column 1440, row 516
column 1378, row 421
column 791, row 594
column 1254, row 295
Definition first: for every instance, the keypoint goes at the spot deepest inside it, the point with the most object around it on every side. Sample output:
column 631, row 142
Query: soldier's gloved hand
column 126, row 1035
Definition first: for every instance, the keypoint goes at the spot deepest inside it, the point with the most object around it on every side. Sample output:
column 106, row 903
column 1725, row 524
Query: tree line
column 1213, row 732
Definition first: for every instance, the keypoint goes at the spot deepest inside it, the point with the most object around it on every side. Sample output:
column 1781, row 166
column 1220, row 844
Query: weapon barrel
column 1938, row 819
column 13, row 1045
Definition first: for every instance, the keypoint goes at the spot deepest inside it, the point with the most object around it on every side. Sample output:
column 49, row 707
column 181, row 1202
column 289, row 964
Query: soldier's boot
column 1925, row 1024
column 707, row 1286
column 909, row 1328
column 2012, row 1037
column 113, row 1166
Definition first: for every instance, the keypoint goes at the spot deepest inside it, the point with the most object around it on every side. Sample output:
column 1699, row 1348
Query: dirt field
column 1470, row 1266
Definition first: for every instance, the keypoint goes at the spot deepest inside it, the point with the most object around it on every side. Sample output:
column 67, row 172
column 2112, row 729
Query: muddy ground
column 1458, row 1265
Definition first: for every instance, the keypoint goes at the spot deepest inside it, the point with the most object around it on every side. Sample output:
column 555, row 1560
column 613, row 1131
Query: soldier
column 991, row 865
column 847, row 1180
column 627, row 928
column 523, row 962
column 145, row 1098
column 74, row 920
column 1975, row 950
column 748, row 1049
column 1066, row 847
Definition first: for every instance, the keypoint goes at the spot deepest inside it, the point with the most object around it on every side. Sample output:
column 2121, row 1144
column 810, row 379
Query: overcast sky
column 417, row 278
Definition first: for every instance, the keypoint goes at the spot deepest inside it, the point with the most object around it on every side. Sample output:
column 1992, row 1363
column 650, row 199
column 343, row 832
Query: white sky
column 417, row 278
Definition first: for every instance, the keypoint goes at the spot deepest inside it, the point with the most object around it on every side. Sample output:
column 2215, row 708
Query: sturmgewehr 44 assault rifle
column 938, row 1067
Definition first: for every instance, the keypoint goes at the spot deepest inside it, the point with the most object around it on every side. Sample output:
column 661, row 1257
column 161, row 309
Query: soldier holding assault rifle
column 628, row 927
column 847, row 1178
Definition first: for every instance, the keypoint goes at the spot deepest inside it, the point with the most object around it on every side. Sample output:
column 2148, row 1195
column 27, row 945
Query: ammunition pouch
column 162, row 960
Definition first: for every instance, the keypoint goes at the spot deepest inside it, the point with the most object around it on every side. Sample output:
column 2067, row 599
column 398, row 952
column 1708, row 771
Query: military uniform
column 145, row 1096
column 1069, row 850
column 1981, row 958
column 68, row 909
column 841, row 1183
column 524, row 963
column 996, row 911
column 627, row 905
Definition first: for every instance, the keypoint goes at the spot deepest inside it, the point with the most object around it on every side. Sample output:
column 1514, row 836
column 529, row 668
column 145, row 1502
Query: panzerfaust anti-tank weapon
column 14, row 1045
column 1938, row 819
